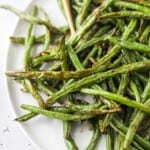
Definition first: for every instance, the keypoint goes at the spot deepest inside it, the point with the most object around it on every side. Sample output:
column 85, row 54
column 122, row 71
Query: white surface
column 11, row 136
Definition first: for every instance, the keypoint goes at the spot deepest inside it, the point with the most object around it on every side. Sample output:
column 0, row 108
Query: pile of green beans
column 108, row 59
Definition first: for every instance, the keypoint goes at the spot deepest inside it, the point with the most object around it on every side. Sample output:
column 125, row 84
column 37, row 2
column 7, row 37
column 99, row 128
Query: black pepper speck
column 6, row 130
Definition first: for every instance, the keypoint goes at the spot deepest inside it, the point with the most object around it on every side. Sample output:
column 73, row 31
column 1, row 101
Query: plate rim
column 14, row 114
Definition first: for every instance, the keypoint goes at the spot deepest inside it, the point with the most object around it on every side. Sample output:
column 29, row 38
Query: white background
column 11, row 136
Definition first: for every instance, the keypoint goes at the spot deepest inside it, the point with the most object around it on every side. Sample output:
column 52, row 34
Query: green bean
column 118, row 98
column 45, row 58
column 85, row 105
column 31, row 115
column 64, row 55
column 33, row 90
column 31, row 19
column 37, row 39
column 74, row 58
column 139, row 85
column 139, row 57
column 83, row 13
column 141, row 77
column 114, row 51
column 103, row 30
column 66, row 129
column 85, row 44
column 56, row 115
column 44, row 88
column 105, row 123
column 121, row 25
column 141, row 27
column 21, row 40
column 48, row 34
column 26, row 117
column 47, row 40
column 74, row 7
column 146, row 92
column 132, row 129
column 133, row 6
column 62, row 75
column 130, row 93
column 123, row 83
column 95, row 137
column 89, row 34
column 103, row 84
column 91, row 110
column 29, row 42
column 60, row 109
column 123, row 14
column 115, row 63
column 135, row 123
column 28, row 45
column 111, row 85
column 106, row 4
column 67, row 136
column 131, row 45
column 135, row 91
column 30, row 27
column 110, row 139
column 120, row 139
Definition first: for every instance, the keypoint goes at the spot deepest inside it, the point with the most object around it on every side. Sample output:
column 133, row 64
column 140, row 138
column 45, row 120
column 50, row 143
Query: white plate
column 45, row 133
